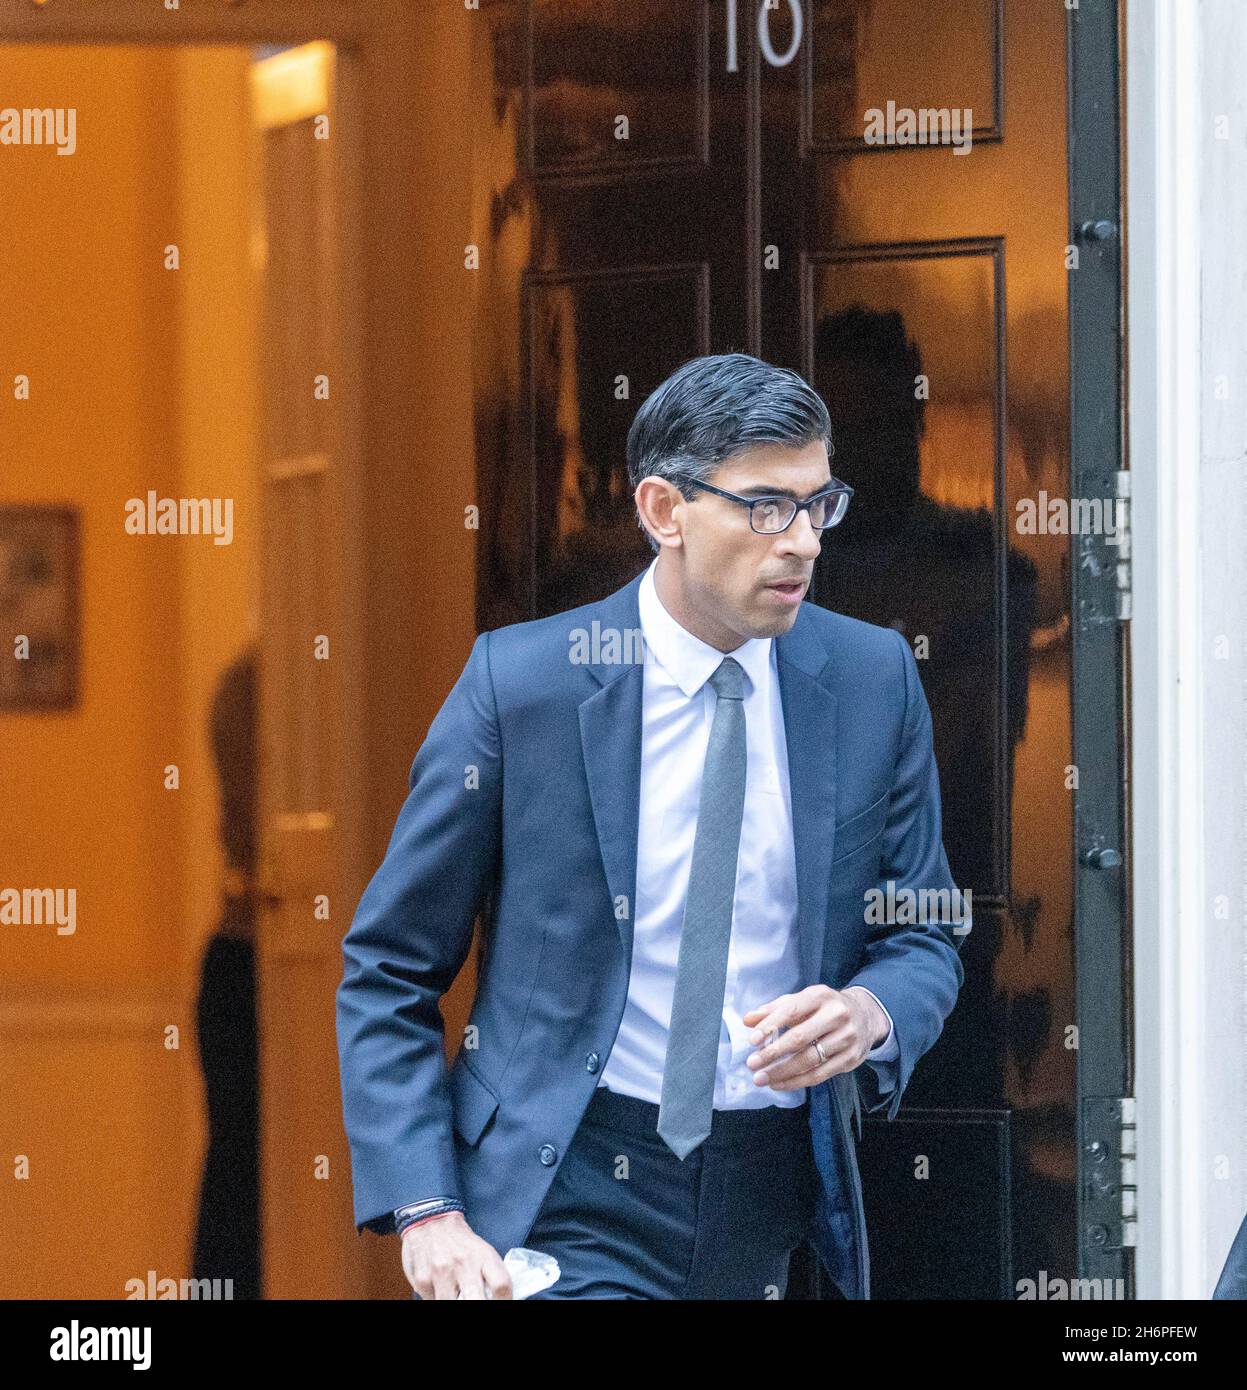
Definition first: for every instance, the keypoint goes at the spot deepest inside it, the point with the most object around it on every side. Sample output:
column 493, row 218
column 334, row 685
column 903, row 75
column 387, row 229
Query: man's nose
column 801, row 539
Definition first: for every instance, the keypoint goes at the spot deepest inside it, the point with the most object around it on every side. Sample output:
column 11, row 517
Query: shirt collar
column 688, row 660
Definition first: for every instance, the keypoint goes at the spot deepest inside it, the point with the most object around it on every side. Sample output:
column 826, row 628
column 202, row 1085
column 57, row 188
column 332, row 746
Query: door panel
column 308, row 1233
column 922, row 290
column 611, row 161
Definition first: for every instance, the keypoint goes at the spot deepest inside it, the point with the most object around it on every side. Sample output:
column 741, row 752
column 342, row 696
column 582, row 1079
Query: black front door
column 876, row 193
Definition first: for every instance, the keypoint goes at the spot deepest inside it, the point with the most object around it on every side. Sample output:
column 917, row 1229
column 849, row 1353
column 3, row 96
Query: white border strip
column 1163, row 298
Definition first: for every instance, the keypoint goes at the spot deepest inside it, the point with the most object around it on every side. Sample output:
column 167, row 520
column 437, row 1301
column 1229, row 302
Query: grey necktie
column 701, row 972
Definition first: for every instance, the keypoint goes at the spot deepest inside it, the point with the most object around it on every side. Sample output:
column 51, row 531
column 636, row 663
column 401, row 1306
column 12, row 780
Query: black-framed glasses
column 768, row 516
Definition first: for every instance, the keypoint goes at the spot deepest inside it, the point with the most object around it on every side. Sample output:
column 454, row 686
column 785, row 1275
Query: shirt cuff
column 888, row 1050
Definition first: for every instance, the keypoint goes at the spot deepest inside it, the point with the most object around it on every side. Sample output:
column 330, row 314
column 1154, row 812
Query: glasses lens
column 826, row 511
column 772, row 515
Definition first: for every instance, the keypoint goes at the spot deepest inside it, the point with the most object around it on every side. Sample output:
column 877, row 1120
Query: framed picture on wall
column 38, row 608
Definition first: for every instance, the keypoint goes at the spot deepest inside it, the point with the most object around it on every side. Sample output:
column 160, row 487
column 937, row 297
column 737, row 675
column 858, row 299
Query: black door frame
column 1100, row 605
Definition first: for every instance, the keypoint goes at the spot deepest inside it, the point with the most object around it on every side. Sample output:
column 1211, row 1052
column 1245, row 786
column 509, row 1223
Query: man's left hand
column 846, row 1023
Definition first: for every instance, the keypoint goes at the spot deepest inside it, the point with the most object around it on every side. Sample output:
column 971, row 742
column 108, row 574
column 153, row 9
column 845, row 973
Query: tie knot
column 728, row 679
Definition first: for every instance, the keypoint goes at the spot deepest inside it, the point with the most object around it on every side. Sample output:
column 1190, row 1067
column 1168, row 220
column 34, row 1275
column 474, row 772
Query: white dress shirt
column 763, row 955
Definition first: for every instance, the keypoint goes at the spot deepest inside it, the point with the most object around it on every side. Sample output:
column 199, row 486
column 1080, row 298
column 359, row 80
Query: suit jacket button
column 591, row 1062
column 548, row 1155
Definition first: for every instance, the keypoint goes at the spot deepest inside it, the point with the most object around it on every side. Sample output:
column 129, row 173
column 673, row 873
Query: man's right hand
column 443, row 1255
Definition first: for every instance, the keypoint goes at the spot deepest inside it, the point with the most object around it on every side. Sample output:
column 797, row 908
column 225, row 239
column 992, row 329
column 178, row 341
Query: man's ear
column 656, row 500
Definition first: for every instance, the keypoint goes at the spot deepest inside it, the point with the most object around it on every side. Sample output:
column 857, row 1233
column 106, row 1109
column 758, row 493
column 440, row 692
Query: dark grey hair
column 711, row 409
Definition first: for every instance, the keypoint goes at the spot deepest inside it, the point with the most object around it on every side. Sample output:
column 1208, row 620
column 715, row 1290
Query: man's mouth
column 789, row 589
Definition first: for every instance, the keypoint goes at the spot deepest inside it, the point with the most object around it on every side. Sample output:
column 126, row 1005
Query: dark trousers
column 227, row 1232
column 625, row 1218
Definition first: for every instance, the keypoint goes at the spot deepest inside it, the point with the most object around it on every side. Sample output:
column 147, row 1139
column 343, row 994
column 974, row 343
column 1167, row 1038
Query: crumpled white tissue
column 530, row 1271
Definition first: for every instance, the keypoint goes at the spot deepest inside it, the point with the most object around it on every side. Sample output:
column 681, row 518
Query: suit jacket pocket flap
column 860, row 829
column 473, row 1102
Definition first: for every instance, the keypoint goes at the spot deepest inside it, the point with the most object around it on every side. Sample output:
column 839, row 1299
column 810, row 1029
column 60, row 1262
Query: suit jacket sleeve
column 912, row 966
column 409, row 938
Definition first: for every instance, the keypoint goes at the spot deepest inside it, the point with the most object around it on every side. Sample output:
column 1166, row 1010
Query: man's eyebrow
column 761, row 490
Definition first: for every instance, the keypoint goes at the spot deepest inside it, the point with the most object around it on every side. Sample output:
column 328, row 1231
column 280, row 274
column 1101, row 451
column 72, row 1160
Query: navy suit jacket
column 525, row 793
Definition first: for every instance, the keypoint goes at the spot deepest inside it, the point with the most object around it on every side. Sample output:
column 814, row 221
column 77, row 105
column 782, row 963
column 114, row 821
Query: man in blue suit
column 706, row 817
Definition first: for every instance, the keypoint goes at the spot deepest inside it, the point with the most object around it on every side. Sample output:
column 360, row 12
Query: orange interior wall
column 107, row 1114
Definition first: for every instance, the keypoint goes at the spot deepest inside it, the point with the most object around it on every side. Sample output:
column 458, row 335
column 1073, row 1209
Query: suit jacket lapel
column 810, row 733
column 610, row 736
column 610, row 739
